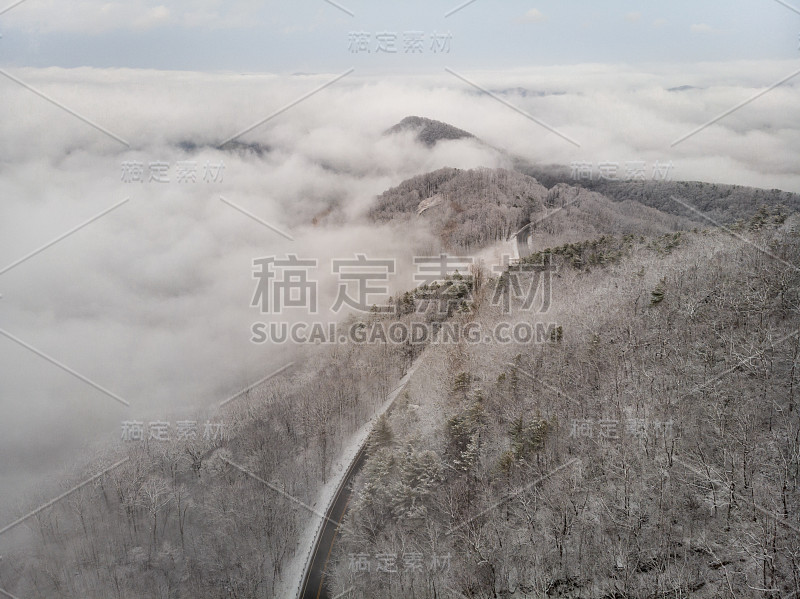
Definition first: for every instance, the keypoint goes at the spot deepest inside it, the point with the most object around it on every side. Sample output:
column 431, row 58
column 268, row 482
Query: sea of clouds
column 152, row 300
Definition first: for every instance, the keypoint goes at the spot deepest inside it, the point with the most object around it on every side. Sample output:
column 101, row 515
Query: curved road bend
column 313, row 583
column 313, row 586
column 522, row 236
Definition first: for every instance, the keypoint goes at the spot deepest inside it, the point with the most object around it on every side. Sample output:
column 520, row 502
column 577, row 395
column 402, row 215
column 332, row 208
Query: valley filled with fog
column 661, row 196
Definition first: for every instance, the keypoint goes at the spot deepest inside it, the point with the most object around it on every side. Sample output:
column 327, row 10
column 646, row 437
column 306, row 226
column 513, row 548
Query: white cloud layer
column 152, row 300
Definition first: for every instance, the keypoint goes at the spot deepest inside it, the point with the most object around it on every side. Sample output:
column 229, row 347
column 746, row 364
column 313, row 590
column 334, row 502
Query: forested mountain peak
column 469, row 208
column 428, row 131
column 474, row 208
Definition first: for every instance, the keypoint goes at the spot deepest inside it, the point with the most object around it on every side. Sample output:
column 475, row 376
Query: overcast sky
column 313, row 35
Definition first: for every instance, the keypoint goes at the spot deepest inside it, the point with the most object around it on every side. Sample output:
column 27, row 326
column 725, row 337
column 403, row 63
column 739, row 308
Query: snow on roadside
column 296, row 569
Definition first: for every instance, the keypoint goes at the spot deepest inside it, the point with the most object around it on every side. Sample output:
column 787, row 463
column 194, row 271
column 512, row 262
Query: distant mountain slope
column 475, row 208
column 715, row 203
column 725, row 204
column 429, row 132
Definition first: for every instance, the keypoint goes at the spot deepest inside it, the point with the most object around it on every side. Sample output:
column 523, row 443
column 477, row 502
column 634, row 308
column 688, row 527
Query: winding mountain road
column 522, row 236
column 313, row 586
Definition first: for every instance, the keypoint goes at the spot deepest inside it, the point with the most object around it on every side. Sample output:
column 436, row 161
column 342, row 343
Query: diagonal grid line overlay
column 458, row 8
column 540, row 220
column 287, row 107
column 255, row 218
column 555, row 390
column 528, row 116
column 284, row 494
column 734, row 109
column 697, row 388
column 511, row 496
column 7, row 594
column 337, row 5
column 62, row 496
column 786, row 4
column 63, row 367
column 741, row 362
column 62, row 237
column 756, row 506
column 734, row 234
column 256, row 384
column 65, row 108
column 7, row 8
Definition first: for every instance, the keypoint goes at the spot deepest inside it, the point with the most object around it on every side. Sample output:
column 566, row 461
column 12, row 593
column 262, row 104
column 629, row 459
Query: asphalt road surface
column 314, row 583
column 522, row 242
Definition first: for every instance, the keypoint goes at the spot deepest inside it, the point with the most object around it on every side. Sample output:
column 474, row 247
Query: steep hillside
column 642, row 443
column 211, row 517
column 474, row 208
column 648, row 446
column 725, row 204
